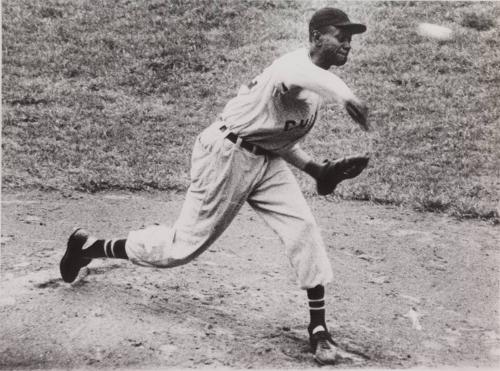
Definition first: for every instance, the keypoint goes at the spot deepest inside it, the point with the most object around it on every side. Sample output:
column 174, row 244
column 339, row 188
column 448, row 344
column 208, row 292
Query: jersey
column 279, row 106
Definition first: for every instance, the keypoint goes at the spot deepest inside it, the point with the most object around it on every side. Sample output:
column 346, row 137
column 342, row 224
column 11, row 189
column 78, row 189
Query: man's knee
column 308, row 229
column 150, row 246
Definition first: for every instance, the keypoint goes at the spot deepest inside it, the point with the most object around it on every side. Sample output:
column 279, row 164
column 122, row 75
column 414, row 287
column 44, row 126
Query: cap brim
column 353, row 28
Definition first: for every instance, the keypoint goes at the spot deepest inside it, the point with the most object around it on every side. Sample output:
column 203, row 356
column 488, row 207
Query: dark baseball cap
column 334, row 17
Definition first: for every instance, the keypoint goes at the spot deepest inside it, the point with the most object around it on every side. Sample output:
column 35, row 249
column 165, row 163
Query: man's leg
column 280, row 202
column 222, row 176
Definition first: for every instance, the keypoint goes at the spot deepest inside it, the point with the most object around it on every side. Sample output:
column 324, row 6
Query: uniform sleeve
column 311, row 77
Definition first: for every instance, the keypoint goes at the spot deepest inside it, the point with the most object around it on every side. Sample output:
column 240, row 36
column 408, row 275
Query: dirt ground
column 410, row 289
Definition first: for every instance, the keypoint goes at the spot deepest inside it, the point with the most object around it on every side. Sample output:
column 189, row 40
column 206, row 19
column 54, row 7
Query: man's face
column 335, row 45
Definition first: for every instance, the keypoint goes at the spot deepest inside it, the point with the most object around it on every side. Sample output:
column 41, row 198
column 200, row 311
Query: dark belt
column 244, row 144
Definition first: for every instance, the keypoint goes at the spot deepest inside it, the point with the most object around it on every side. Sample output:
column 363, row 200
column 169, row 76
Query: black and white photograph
column 250, row 184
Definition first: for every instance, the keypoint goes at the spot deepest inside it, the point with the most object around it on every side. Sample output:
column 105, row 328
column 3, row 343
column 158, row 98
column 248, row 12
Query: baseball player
column 244, row 156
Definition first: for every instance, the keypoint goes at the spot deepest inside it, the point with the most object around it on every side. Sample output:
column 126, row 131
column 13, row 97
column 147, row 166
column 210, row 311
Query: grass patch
column 110, row 95
column 480, row 21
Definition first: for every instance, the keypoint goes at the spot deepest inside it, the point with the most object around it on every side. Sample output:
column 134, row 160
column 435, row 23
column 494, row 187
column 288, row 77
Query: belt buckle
column 224, row 130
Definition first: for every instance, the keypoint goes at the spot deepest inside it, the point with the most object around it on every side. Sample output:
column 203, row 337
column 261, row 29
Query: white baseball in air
column 434, row 31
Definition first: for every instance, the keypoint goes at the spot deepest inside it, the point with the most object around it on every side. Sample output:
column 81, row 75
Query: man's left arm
column 301, row 159
column 327, row 174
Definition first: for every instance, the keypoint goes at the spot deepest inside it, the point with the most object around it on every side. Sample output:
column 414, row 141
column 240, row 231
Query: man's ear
column 316, row 38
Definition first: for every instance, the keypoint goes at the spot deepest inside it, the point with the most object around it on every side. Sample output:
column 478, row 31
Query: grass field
column 101, row 95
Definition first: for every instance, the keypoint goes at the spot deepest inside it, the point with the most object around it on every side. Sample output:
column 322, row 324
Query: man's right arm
column 327, row 85
column 320, row 81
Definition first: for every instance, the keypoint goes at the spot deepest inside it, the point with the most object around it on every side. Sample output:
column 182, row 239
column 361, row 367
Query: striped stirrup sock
column 114, row 248
column 316, row 297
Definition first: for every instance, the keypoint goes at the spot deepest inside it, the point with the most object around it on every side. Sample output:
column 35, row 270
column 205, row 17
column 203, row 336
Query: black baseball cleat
column 324, row 348
column 72, row 261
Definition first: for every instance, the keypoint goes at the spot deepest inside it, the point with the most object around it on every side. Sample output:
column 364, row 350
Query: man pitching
column 242, row 157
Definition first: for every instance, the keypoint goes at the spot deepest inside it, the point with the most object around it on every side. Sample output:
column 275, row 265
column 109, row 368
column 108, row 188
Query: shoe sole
column 323, row 363
column 313, row 345
column 342, row 356
column 70, row 265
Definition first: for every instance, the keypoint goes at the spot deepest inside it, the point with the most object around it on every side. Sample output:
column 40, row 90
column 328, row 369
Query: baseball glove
column 333, row 172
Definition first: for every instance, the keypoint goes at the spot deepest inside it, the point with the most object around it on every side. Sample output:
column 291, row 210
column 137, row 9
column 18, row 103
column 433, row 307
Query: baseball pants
column 223, row 177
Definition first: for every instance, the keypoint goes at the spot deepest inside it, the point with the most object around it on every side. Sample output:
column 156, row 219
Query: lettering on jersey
column 303, row 124
column 280, row 90
column 251, row 84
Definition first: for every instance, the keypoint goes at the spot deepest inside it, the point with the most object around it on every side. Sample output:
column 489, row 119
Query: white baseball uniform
column 274, row 111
